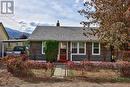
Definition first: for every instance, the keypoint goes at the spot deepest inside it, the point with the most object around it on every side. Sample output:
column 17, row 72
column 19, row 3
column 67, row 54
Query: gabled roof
column 4, row 30
column 60, row 34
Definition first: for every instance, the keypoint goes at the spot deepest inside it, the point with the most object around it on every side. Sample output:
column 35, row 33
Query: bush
column 122, row 67
column 51, row 50
column 39, row 65
column 75, row 66
column 92, row 66
column 100, row 65
column 17, row 66
column 21, row 67
column 6, row 59
column 125, row 69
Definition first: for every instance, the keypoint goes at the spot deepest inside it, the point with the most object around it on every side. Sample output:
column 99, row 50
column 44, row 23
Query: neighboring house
column 73, row 44
column 3, row 36
column 7, row 44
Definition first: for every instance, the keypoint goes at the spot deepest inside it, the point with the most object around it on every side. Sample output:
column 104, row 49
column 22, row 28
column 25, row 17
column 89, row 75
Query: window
column 78, row 47
column 74, row 47
column 43, row 47
column 81, row 47
column 95, row 49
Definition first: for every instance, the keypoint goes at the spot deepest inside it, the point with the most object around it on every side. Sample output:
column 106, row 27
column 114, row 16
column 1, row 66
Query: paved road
column 72, row 84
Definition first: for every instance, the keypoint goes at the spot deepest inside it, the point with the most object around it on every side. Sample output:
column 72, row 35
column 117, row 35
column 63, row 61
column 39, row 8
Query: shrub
column 51, row 50
column 17, row 66
column 39, row 65
column 24, row 57
column 100, row 65
column 6, row 59
column 122, row 67
column 125, row 69
column 76, row 66
column 21, row 67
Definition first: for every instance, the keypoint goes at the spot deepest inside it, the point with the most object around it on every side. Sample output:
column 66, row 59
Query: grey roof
column 60, row 34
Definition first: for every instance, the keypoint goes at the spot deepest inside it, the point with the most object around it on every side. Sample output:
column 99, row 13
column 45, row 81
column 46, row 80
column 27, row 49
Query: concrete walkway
column 59, row 71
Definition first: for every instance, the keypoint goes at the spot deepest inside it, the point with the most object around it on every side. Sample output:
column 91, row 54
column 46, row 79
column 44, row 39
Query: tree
column 127, row 13
column 51, row 50
column 109, row 15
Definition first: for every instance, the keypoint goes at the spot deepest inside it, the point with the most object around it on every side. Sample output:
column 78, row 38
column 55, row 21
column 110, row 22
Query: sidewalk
column 59, row 71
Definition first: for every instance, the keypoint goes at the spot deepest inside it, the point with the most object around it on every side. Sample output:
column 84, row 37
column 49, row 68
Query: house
column 73, row 44
column 3, row 36
column 7, row 44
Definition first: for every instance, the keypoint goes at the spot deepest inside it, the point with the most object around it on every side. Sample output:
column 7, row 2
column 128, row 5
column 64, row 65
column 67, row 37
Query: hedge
column 122, row 66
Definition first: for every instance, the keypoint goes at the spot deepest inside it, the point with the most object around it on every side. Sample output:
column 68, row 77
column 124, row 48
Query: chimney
column 57, row 24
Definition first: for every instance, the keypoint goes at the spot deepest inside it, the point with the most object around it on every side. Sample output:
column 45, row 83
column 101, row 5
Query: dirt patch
column 8, row 79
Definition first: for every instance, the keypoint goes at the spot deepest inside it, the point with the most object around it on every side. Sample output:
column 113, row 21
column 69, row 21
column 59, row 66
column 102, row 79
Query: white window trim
column 42, row 48
column 93, row 49
column 78, row 49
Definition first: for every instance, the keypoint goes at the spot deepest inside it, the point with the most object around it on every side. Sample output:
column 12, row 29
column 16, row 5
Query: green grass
column 121, row 79
column 71, row 73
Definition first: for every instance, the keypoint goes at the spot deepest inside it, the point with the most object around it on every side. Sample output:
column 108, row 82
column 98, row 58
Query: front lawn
column 95, row 74
column 42, row 73
column 99, row 71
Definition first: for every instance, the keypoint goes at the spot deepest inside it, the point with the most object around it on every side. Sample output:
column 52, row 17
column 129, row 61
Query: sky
column 30, row 13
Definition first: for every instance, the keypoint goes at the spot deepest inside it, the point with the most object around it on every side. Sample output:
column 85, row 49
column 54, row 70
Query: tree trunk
column 112, row 53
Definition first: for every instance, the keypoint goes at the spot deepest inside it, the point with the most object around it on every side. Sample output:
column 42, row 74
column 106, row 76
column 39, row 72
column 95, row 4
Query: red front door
column 63, row 52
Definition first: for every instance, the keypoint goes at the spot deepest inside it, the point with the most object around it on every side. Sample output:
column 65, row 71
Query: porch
column 71, row 51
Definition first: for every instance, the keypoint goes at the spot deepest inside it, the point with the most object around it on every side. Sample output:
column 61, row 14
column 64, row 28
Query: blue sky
column 29, row 13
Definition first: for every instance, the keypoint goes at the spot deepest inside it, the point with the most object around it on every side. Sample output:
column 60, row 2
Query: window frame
column 98, row 49
column 74, row 47
column 78, row 48
column 82, row 47
column 43, row 43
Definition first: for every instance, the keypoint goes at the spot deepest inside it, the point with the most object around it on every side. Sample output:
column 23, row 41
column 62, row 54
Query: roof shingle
column 60, row 34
